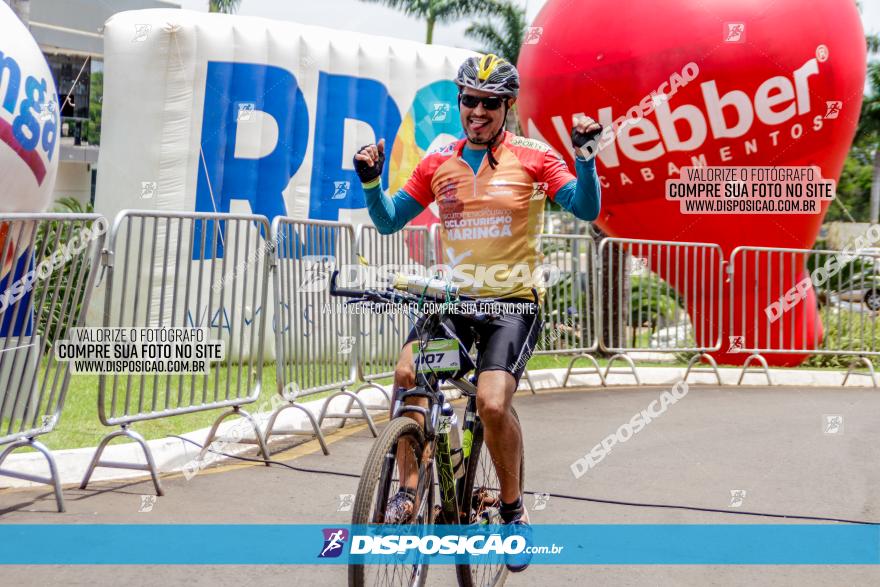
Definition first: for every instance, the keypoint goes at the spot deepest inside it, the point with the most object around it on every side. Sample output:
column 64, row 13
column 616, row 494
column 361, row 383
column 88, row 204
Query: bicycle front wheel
column 396, row 454
column 481, row 484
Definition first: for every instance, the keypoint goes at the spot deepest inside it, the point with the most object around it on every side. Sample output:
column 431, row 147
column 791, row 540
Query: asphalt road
column 773, row 443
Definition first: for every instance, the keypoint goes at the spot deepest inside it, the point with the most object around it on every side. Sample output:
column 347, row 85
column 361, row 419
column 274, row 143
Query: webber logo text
column 685, row 128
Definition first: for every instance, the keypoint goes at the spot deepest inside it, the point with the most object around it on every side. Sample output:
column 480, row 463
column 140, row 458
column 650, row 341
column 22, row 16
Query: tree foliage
column 225, row 6
column 435, row 12
column 503, row 31
column 854, row 188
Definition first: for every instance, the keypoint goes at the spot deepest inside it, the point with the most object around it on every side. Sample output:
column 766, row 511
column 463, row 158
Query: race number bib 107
column 440, row 355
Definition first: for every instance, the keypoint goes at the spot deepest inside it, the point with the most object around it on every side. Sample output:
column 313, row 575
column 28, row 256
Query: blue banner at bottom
column 613, row 544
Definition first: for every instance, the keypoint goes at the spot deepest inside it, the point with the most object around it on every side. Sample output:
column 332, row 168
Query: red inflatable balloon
column 748, row 82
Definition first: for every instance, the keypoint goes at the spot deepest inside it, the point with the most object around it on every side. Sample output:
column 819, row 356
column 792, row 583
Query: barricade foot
column 626, row 359
column 764, row 366
column 291, row 404
column 368, row 406
column 595, row 369
column 854, row 365
column 52, row 479
column 697, row 358
column 149, row 466
column 235, row 411
column 364, row 415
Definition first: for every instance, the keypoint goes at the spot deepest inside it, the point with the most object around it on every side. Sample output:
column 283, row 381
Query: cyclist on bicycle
column 490, row 188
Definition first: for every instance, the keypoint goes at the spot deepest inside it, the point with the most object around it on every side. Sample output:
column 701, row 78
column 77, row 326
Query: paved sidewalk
column 771, row 442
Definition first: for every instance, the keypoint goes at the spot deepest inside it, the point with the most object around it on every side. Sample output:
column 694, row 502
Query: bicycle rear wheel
column 379, row 482
column 482, row 484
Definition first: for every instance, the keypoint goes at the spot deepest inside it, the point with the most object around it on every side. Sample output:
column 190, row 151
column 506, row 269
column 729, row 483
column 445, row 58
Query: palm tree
column 225, row 6
column 504, row 32
column 869, row 123
column 435, row 11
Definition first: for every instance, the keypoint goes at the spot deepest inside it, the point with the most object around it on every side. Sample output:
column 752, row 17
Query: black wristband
column 366, row 172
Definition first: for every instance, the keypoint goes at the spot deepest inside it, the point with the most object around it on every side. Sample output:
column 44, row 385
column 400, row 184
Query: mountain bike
column 469, row 490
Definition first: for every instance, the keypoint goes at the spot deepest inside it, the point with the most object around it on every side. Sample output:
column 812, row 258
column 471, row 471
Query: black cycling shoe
column 519, row 526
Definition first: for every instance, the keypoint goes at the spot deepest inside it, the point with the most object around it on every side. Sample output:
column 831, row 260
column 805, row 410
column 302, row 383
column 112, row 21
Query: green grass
column 80, row 427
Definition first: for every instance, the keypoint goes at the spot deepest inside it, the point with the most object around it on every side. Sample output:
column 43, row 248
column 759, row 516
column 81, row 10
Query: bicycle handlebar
column 397, row 296
column 341, row 292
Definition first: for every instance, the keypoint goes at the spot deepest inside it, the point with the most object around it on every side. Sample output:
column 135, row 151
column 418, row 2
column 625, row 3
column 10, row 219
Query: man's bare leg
column 405, row 378
column 503, row 435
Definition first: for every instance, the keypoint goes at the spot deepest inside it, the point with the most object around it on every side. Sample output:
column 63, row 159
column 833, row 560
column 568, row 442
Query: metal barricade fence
column 569, row 304
column 315, row 344
column 660, row 296
column 48, row 264
column 381, row 335
column 804, row 301
column 178, row 269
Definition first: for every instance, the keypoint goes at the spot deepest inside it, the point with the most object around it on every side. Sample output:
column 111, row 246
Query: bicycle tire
column 374, row 472
column 464, row 572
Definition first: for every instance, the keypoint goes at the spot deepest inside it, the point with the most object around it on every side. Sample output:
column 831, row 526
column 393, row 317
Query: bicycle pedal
column 490, row 516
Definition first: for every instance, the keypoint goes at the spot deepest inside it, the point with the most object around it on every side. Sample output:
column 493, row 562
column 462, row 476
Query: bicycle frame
column 452, row 498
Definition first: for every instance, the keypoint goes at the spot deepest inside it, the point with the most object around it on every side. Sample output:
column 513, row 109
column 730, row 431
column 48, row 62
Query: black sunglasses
column 489, row 102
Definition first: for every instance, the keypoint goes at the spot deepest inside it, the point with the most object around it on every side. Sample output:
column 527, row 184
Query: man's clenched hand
column 584, row 133
column 369, row 161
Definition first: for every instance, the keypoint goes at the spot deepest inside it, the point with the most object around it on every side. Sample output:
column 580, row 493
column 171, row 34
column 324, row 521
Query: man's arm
column 582, row 196
column 389, row 214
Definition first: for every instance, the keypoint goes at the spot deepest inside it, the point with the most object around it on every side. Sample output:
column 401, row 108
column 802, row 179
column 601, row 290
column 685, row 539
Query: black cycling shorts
column 504, row 344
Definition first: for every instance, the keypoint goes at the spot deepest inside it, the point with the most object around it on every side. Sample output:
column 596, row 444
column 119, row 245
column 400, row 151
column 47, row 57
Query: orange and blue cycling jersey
column 490, row 218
